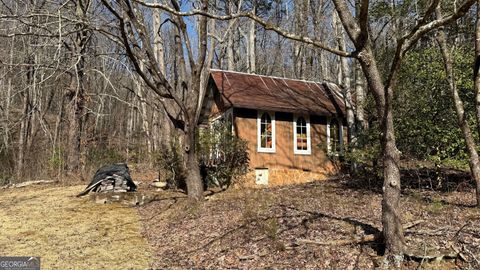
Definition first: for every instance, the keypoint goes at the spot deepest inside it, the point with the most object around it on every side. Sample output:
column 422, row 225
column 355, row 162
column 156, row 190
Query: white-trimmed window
column 266, row 132
column 335, row 136
column 301, row 135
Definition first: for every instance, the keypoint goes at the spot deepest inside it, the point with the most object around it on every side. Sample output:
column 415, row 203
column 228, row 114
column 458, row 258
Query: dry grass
column 68, row 232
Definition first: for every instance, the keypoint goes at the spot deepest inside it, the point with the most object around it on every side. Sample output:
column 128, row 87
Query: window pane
column 269, row 142
column 266, row 135
column 301, row 130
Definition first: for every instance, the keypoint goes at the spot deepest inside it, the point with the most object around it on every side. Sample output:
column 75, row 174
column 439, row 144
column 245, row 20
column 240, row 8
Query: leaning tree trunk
column 474, row 161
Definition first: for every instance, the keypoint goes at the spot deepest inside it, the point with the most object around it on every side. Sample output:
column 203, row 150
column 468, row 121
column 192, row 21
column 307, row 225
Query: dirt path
column 68, row 232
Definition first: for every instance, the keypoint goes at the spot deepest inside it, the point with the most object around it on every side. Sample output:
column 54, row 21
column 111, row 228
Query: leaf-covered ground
column 261, row 228
column 69, row 232
column 236, row 229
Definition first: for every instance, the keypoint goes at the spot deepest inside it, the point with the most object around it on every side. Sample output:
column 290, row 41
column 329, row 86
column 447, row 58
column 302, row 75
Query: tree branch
column 265, row 24
column 422, row 27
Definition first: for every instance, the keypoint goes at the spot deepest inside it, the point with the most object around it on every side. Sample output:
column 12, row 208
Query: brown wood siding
column 284, row 158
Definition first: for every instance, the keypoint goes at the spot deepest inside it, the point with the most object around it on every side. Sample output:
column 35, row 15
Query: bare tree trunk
column 130, row 125
column 160, row 137
column 58, row 121
column 360, row 97
column 345, row 80
column 230, row 55
column 22, row 136
column 230, row 42
column 474, row 161
column 145, row 123
column 359, row 87
column 391, row 217
column 75, row 110
column 76, row 93
column 193, row 178
column 142, row 99
column 34, row 103
column 6, row 129
column 158, row 40
column 357, row 29
column 251, row 46
column 6, row 135
column 300, row 26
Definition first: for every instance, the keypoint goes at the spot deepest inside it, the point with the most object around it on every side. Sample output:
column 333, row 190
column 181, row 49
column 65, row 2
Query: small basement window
column 266, row 132
column 301, row 136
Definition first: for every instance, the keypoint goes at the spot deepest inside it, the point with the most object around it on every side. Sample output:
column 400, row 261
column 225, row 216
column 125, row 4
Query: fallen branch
column 27, row 183
column 436, row 232
column 461, row 228
column 355, row 240
column 459, row 253
column 412, row 224
column 471, row 254
column 251, row 257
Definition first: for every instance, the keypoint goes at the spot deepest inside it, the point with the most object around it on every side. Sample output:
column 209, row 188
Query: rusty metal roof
column 251, row 91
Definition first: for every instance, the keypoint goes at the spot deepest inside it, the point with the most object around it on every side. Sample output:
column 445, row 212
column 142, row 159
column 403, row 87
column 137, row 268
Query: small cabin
column 295, row 129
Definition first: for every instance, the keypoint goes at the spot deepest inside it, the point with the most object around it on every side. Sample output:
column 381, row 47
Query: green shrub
column 425, row 121
column 365, row 154
column 57, row 159
column 223, row 157
column 170, row 162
